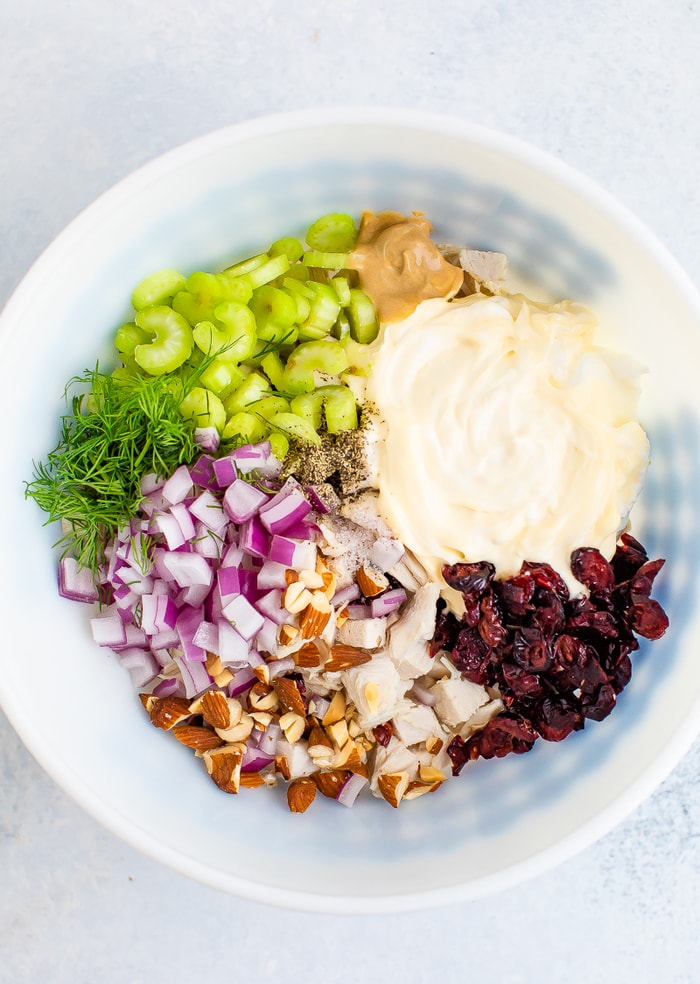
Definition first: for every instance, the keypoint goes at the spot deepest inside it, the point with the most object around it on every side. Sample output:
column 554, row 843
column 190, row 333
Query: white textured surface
column 88, row 92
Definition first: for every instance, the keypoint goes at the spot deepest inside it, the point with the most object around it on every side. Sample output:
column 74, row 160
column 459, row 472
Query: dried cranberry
column 548, row 613
column 503, row 734
column 621, row 674
column 457, row 751
column 471, row 655
column 446, row 629
column 628, row 558
column 469, row 577
column 594, row 622
column 556, row 718
column 383, row 733
column 576, row 665
column 642, row 581
column 520, row 682
column 531, row 650
column 516, row 593
column 490, row 624
column 590, row 567
column 648, row 619
column 545, row 576
column 597, row 706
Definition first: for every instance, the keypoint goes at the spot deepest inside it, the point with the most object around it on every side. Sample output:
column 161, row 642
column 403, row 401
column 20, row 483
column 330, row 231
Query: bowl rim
column 245, row 130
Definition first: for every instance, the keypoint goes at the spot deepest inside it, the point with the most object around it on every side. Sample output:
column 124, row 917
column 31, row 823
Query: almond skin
column 330, row 781
column 197, row 737
column 344, row 657
column 166, row 712
column 289, row 695
column 301, row 793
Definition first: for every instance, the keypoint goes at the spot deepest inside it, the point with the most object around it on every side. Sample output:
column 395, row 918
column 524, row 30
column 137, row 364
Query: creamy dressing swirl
column 506, row 433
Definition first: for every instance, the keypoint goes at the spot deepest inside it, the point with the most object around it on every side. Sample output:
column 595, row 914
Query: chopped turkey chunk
column 414, row 723
column 375, row 689
column 365, row 633
column 409, row 636
column 457, row 700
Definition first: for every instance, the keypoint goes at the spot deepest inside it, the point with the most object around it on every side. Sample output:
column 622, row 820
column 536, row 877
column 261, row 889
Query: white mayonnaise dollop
column 508, row 434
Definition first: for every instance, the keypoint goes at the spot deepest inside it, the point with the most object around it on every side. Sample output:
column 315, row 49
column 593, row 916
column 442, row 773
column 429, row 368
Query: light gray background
column 89, row 89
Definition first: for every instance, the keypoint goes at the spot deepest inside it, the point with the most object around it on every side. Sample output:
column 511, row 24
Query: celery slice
column 128, row 337
column 245, row 426
column 252, row 389
column 273, row 268
column 157, row 288
column 246, row 266
column 273, row 367
column 279, row 444
column 326, row 261
column 362, row 316
column 295, row 427
column 325, row 356
column 339, row 407
column 289, row 246
column 172, row 340
column 204, row 407
column 334, row 232
column 221, row 377
column 233, row 340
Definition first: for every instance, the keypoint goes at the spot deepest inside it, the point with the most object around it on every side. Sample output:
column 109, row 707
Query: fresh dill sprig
column 122, row 426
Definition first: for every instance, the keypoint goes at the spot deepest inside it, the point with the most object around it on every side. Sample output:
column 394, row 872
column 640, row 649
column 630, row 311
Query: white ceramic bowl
column 220, row 198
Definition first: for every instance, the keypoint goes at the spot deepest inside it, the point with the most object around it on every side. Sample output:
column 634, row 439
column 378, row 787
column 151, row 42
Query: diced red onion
column 150, row 482
column 297, row 554
column 207, row 438
column 249, row 584
column 178, row 486
column 387, row 602
column 170, row 687
column 347, row 594
column 229, row 581
column 158, row 613
column 254, row 759
column 168, row 525
column 108, row 630
column 187, row 568
column 232, row 557
column 185, row 521
column 270, row 605
column 267, row 742
column 210, row 511
column 193, row 594
column 251, row 456
column 287, row 508
column 323, row 501
column 348, row 792
column 234, row 650
column 272, row 575
column 266, row 639
column 243, row 500
column 359, row 611
column 243, row 616
column 207, row 542
column 194, row 676
column 278, row 667
column 76, row 582
column 202, row 472
column 242, row 679
column 187, row 623
column 225, row 471
column 253, row 538
column 321, row 705
column 166, row 639
column 207, row 636
column 385, row 552
column 141, row 664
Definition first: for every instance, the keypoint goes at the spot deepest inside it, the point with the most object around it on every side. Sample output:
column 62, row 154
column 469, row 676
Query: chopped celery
column 233, row 339
column 246, row 426
column 341, row 286
column 128, row 337
column 221, row 377
column 273, row 367
column 273, row 305
column 268, row 406
column 246, row 266
column 157, row 288
column 325, row 308
column 334, row 232
column 253, row 388
column 289, row 246
column 295, row 427
column 172, row 340
column 335, row 403
column 271, row 269
column 204, row 407
column 325, row 356
column 326, row 261
column 362, row 316
column 279, row 444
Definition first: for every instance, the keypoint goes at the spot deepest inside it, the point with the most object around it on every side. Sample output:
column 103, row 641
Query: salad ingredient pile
column 329, row 511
